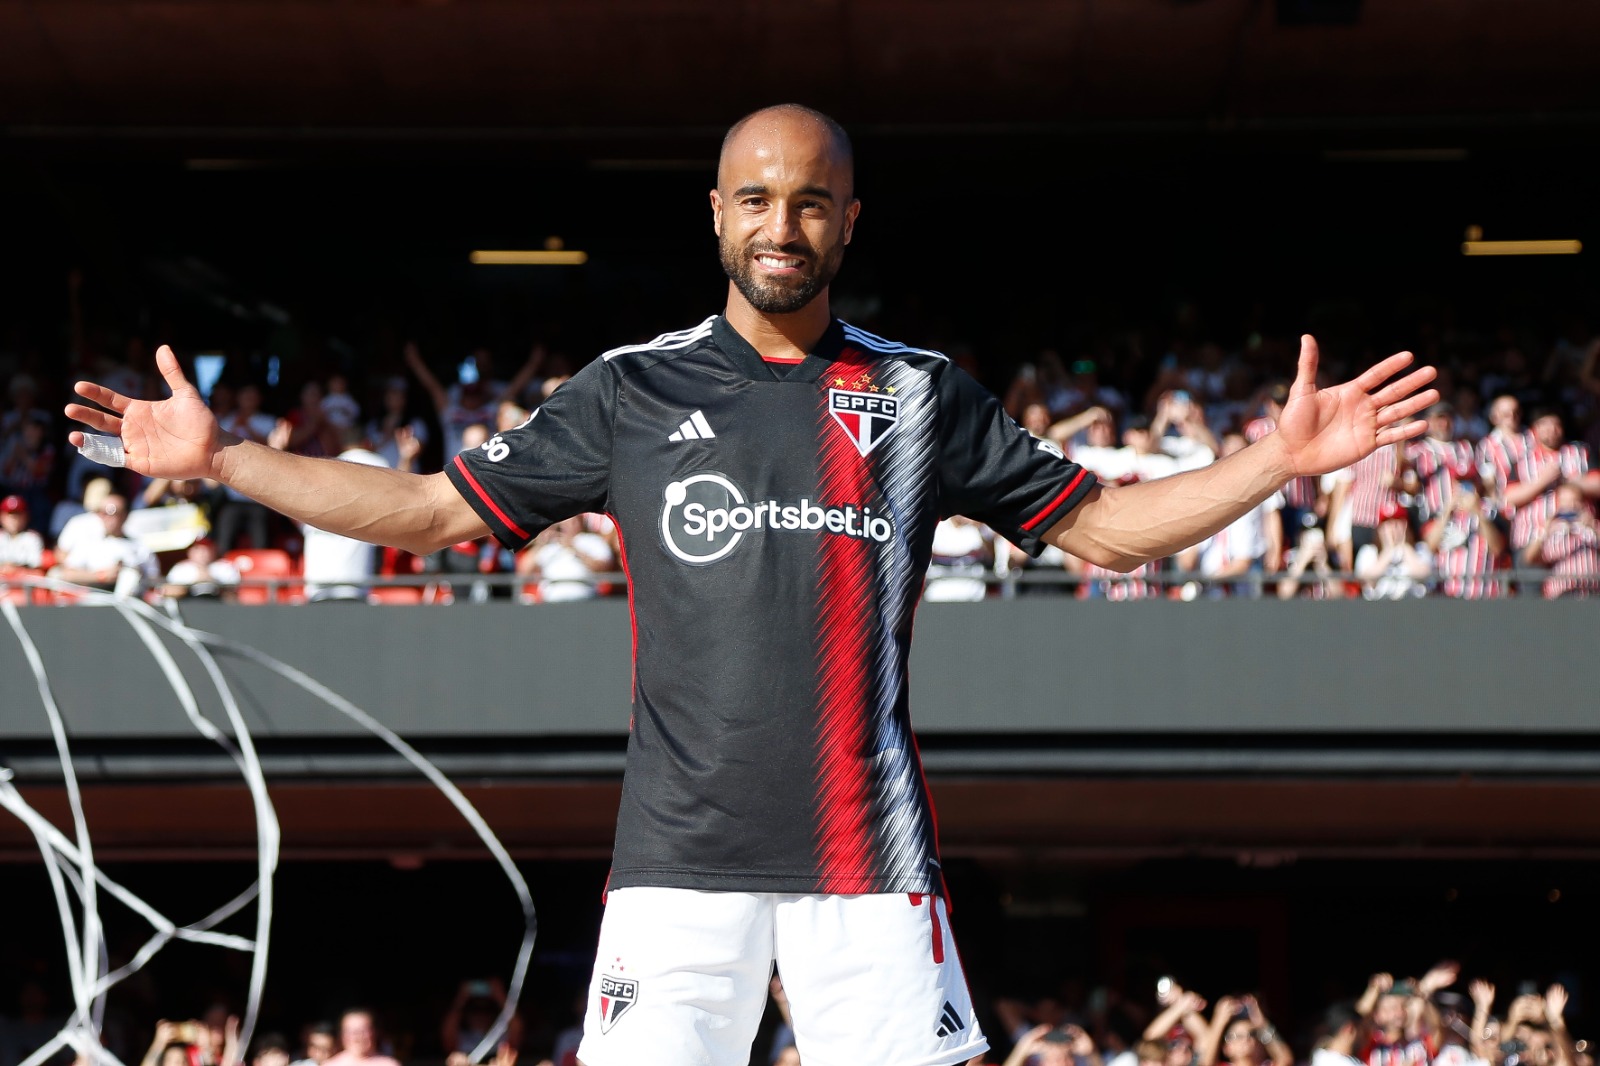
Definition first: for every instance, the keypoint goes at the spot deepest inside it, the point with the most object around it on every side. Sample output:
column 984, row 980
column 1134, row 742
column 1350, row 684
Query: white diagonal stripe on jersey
column 686, row 430
column 682, row 338
column 905, row 468
column 675, row 436
column 700, row 423
column 878, row 344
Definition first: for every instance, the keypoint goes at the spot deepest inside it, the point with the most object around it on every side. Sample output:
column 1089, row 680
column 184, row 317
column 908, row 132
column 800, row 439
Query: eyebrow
column 756, row 189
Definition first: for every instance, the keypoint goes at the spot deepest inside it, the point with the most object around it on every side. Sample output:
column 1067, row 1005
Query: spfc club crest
column 866, row 417
column 617, row 996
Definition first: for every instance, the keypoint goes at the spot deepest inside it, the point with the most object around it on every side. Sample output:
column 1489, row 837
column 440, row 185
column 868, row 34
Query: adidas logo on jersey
column 949, row 1022
column 695, row 427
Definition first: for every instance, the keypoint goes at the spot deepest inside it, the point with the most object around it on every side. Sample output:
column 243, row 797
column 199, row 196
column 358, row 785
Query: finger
column 1374, row 376
column 101, row 395
column 1403, row 432
column 95, row 419
column 1408, row 407
column 1404, row 387
column 171, row 372
column 1305, row 378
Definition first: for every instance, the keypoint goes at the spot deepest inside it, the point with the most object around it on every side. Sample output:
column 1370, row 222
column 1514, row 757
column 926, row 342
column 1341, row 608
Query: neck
column 790, row 336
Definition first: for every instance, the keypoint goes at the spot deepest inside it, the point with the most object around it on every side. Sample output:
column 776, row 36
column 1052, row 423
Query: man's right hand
column 174, row 438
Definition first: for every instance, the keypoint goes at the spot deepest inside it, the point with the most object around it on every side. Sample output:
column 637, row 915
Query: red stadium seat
column 404, row 594
column 263, row 563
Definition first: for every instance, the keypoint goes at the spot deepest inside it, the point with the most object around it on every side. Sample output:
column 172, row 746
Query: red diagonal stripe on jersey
column 844, row 840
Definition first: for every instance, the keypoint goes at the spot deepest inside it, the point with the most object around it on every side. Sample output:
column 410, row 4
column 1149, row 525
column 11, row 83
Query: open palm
column 174, row 438
column 1328, row 429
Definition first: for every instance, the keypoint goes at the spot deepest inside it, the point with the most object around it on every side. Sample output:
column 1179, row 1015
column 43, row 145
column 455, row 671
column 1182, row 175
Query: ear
column 716, row 212
column 850, row 214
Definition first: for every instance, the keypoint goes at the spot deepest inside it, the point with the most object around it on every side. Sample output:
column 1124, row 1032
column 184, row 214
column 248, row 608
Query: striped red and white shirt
column 1500, row 452
column 1572, row 552
column 1434, row 461
column 1465, row 564
column 1301, row 493
column 1574, row 459
column 1373, row 488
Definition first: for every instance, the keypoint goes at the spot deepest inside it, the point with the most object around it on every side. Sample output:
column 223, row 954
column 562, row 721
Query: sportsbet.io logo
column 705, row 517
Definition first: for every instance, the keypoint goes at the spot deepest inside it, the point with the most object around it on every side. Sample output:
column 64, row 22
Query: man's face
column 1505, row 413
column 783, row 212
column 1390, row 1013
column 355, row 1032
column 114, row 512
column 13, row 522
column 1547, row 431
column 319, row 1047
column 1441, row 426
column 1138, row 439
column 1569, row 500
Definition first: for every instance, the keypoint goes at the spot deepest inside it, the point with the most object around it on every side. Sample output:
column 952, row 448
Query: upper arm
column 555, row 465
column 454, row 519
column 994, row 471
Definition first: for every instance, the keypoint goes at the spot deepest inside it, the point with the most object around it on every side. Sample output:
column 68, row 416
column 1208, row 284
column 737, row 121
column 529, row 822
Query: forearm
column 1122, row 527
column 1519, row 493
column 381, row 506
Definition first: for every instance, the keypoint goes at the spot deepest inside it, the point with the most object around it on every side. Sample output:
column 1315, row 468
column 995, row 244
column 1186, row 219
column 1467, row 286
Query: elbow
column 1109, row 559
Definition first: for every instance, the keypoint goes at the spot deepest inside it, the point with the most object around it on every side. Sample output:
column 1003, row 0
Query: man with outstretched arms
column 775, row 476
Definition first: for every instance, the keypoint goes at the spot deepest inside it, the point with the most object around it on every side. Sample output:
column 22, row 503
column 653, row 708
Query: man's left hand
column 1328, row 429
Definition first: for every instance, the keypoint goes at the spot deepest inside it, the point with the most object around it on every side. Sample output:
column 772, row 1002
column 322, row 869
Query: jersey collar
column 824, row 354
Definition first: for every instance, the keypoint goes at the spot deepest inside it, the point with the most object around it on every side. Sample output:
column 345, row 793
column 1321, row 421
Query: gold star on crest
column 890, row 390
column 839, row 382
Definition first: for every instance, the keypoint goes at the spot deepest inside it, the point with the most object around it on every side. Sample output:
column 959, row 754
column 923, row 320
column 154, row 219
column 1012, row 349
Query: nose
column 782, row 225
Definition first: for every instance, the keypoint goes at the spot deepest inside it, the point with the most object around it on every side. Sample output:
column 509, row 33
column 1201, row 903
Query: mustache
column 797, row 248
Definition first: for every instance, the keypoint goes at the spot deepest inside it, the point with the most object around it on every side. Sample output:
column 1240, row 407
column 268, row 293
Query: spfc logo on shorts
column 617, row 995
column 866, row 417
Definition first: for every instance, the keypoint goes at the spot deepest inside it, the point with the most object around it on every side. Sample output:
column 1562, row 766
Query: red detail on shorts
column 633, row 619
column 1072, row 487
column 484, row 496
column 844, row 839
column 933, row 919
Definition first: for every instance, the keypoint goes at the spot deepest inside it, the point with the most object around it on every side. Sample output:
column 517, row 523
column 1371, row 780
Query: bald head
column 792, row 123
column 783, row 209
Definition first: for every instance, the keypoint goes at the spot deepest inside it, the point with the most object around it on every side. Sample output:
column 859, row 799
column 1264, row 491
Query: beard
column 768, row 295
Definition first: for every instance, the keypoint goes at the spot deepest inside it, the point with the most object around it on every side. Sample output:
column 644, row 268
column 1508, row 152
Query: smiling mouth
column 779, row 262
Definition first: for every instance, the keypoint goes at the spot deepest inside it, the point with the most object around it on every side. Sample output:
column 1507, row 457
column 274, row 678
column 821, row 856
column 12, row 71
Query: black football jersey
column 776, row 523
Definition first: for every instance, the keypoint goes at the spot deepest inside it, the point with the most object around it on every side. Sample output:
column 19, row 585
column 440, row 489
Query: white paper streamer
column 72, row 862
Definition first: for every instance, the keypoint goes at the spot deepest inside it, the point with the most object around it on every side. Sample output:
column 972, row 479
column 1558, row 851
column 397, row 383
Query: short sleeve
column 994, row 471
column 555, row 465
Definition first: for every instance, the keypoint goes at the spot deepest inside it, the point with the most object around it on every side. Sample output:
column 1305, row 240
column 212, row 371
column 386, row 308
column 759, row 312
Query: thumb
column 171, row 371
column 1305, row 379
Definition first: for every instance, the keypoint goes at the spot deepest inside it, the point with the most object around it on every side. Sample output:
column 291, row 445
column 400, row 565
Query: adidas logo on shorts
column 949, row 1022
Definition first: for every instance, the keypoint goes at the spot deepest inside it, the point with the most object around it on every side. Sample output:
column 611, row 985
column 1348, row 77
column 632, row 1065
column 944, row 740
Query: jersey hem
column 788, row 884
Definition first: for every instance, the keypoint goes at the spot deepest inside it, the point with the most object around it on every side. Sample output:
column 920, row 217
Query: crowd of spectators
column 69, row 519
column 1422, row 1021
column 1496, row 499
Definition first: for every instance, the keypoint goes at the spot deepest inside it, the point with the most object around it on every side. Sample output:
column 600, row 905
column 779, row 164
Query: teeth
column 776, row 262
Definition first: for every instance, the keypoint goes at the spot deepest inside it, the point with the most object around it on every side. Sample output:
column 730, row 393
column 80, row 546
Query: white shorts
column 681, row 979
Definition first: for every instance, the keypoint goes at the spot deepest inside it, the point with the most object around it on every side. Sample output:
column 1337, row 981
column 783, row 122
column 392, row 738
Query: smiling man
column 776, row 476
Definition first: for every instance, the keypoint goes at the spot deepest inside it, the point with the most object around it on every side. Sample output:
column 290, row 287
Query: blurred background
column 1094, row 206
